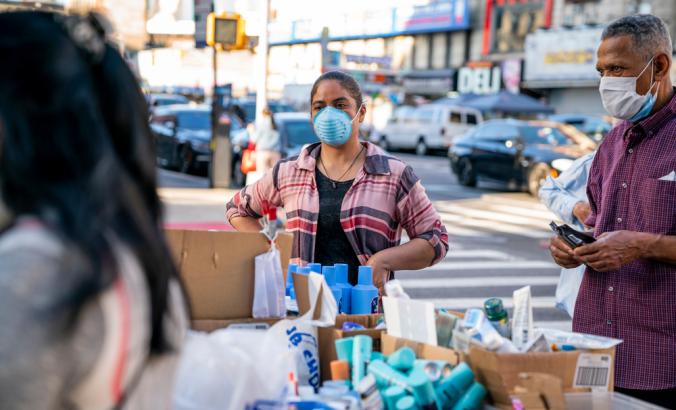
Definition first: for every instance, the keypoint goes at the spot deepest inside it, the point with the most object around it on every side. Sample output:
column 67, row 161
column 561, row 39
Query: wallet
column 571, row 236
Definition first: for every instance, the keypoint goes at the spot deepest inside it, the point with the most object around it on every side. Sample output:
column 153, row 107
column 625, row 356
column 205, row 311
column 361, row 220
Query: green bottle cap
column 494, row 309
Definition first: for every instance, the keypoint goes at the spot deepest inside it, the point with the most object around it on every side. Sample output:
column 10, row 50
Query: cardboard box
column 499, row 372
column 328, row 336
column 218, row 269
column 207, row 325
column 391, row 344
column 300, row 285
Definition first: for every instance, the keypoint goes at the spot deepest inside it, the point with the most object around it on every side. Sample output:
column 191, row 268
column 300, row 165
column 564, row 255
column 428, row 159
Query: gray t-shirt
column 43, row 367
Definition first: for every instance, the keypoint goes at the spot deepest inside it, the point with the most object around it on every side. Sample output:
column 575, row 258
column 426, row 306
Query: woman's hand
column 381, row 271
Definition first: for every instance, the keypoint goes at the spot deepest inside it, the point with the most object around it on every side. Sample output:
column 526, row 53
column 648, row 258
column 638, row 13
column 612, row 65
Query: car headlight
column 562, row 164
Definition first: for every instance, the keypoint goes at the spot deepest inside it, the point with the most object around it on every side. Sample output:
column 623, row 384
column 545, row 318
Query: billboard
column 562, row 55
column 171, row 17
column 441, row 15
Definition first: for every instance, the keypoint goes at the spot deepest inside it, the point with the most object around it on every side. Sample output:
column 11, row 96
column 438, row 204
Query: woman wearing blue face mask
column 346, row 201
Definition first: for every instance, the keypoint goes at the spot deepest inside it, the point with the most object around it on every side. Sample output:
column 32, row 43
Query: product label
column 593, row 371
column 374, row 305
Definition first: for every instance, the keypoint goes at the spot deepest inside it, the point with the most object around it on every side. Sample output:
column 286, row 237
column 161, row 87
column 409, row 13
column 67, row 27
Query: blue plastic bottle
column 330, row 276
column 304, row 270
column 345, row 287
column 364, row 295
column 315, row 267
column 290, row 291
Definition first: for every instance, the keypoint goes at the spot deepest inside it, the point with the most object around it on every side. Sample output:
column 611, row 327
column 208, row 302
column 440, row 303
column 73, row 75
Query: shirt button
column 610, row 322
column 610, row 289
column 624, row 185
column 619, row 220
column 631, row 150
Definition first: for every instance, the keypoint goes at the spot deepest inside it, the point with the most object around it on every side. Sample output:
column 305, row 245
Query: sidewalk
column 197, row 208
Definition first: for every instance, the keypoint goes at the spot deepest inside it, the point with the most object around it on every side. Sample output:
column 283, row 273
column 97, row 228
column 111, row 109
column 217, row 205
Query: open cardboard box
column 217, row 268
column 390, row 344
column 328, row 336
column 499, row 372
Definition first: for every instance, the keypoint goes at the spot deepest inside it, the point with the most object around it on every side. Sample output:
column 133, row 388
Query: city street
column 497, row 238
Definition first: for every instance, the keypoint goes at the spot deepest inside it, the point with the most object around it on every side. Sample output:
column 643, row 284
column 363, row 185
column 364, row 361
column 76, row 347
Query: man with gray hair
column 629, row 286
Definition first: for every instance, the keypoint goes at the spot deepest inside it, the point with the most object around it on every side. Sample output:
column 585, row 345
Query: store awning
column 509, row 103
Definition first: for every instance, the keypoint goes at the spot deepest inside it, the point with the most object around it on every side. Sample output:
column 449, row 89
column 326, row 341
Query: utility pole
column 262, row 65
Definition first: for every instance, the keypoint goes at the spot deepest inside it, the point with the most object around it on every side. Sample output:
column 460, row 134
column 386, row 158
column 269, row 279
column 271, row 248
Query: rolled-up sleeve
column 249, row 201
column 418, row 217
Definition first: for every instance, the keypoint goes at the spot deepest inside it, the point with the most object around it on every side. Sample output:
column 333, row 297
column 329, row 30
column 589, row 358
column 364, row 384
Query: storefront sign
column 441, row 15
column 562, row 55
column 479, row 78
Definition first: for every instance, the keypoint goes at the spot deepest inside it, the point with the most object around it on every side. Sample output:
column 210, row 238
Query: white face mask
column 620, row 98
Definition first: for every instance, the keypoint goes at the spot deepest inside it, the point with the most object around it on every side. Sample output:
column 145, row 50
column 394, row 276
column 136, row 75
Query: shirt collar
column 651, row 124
column 376, row 162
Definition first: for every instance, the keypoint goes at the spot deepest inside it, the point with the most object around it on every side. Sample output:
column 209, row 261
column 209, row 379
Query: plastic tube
column 522, row 326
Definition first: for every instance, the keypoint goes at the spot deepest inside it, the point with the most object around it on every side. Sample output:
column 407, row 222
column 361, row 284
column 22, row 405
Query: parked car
column 427, row 127
column 517, row 152
column 578, row 137
column 295, row 132
column 595, row 127
column 161, row 100
column 248, row 108
column 182, row 135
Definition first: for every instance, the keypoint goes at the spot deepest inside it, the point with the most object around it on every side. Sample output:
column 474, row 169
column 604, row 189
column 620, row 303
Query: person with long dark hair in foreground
column 93, row 314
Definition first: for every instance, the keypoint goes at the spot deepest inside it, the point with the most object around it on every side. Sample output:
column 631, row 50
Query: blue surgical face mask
column 333, row 126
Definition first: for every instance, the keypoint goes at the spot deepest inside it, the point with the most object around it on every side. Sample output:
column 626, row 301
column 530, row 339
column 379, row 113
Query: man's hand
column 381, row 272
column 581, row 211
column 563, row 254
column 612, row 250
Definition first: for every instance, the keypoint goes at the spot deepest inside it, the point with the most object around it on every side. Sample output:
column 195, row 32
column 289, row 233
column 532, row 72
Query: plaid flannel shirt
column 385, row 197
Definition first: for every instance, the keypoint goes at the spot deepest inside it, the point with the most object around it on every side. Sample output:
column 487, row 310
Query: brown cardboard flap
column 300, row 285
column 329, row 335
column 391, row 344
column 218, row 269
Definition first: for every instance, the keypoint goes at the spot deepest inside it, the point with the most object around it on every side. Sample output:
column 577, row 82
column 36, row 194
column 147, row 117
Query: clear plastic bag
column 233, row 368
column 269, row 286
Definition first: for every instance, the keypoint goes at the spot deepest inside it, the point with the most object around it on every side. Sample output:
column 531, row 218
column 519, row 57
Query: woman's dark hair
column 76, row 151
column 346, row 81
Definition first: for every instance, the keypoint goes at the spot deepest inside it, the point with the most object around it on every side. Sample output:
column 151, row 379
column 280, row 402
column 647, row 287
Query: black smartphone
column 571, row 236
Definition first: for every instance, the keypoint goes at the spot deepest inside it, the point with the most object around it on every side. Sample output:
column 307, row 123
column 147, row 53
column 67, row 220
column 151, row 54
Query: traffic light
column 226, row 31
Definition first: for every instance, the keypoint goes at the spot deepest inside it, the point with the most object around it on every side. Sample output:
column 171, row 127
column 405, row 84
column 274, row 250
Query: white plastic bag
column 568, row 288
column 233, row 368
column 269, row 287
column 300, row 335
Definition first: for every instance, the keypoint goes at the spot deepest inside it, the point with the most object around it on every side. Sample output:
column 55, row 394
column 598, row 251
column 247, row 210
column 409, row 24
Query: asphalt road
column 497, row 238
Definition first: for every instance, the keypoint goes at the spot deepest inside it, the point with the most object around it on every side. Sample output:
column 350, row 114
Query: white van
column 427, row 127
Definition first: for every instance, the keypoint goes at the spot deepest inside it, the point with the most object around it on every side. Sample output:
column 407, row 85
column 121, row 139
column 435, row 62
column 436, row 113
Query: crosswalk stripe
column 491, row 215
column 497, row 265
column 478, row 253
column 506, row 228
column 465, row 303
column 442, row 283
column 504, row 200
column 533, row 213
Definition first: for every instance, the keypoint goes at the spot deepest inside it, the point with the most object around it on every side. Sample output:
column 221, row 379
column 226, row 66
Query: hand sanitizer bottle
column 330, row 276
column 345, row 287
column 364, row 295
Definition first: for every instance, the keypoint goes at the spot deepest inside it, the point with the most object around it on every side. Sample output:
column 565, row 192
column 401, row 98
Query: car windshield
column 194, row 120
column 300, row 133
column 544, row 135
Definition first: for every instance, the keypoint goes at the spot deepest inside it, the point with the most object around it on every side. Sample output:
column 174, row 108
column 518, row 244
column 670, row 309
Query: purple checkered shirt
column 636, row 303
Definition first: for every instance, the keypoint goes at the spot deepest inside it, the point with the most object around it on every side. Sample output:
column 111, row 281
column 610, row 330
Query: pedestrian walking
column 346, row 201
column 268, row 148
column 629, row 284
column 93, row 315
